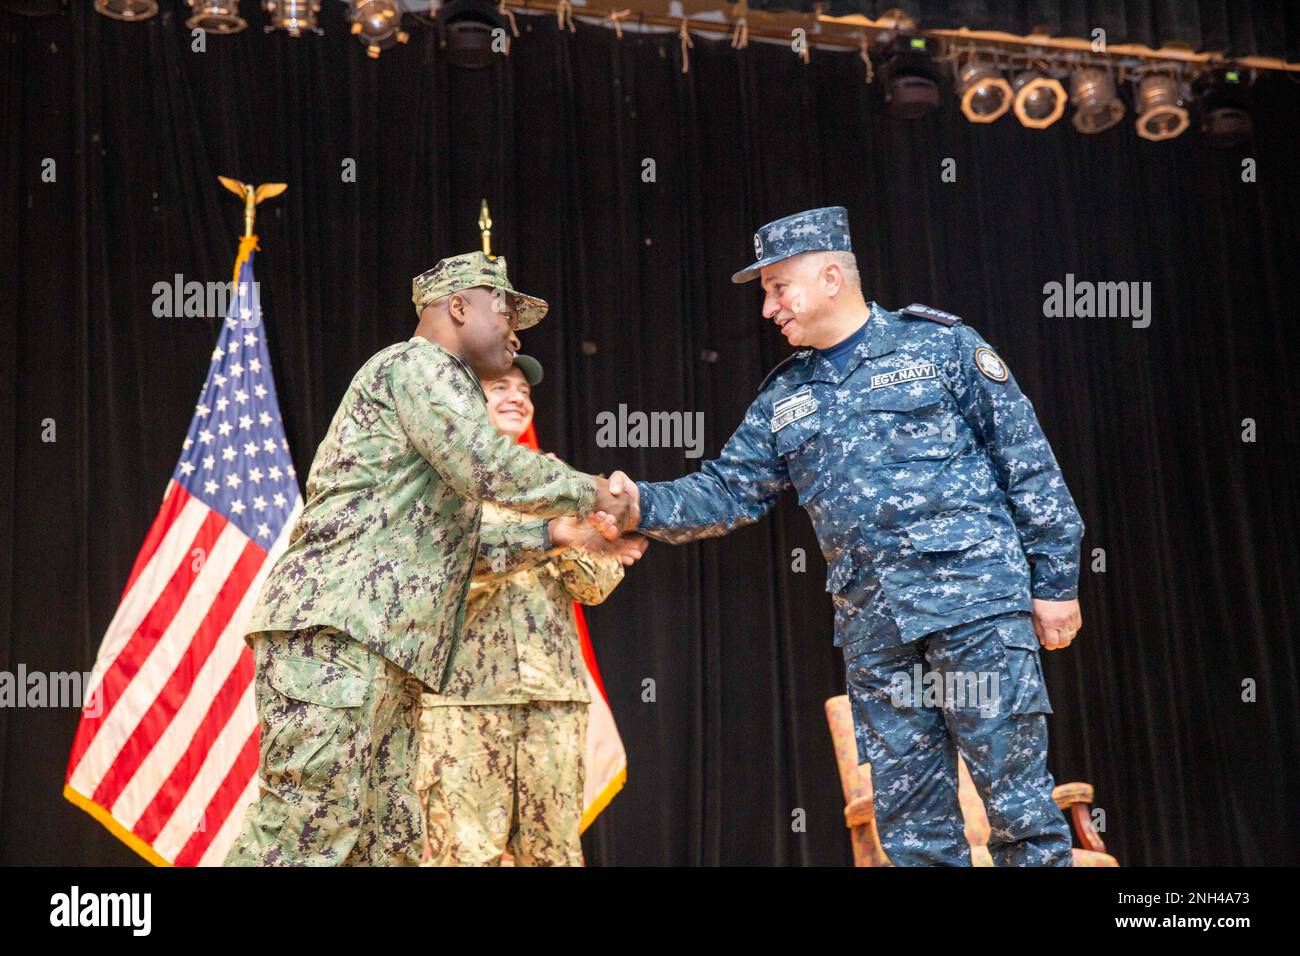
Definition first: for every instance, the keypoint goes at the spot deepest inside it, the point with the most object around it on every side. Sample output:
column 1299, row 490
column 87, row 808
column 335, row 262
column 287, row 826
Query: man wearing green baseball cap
column 362, row 612
column 503, row 746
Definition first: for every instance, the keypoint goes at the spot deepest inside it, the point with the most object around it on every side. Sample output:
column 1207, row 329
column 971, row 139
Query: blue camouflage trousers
column 981, row 692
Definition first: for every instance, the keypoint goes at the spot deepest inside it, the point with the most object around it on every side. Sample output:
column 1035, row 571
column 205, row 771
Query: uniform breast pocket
column 803, row 449
column 913, row 422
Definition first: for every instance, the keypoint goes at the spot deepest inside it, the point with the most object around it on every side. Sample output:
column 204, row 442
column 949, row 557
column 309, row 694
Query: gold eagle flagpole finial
column 485, row 227
column 251, row 196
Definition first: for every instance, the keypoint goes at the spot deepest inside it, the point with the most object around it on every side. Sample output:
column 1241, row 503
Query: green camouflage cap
column 457, row 273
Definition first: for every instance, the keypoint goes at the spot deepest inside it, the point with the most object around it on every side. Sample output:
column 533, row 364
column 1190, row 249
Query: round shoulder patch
column 992, row 367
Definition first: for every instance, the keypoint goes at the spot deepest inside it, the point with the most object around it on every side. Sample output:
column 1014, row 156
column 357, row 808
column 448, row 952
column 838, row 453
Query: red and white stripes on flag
column 166, row 752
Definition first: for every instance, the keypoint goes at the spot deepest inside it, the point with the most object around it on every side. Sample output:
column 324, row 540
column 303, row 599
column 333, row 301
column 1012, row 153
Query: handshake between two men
column 610, row 528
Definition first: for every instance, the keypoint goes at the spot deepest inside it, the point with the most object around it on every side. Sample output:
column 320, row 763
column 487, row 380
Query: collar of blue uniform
column 878, row 341
column 464, row 366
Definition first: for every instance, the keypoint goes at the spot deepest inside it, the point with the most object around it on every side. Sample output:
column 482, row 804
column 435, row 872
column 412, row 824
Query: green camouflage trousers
column 497, row 777
column 338, row 750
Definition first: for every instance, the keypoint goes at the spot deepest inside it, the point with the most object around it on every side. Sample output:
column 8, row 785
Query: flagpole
column 251, row 197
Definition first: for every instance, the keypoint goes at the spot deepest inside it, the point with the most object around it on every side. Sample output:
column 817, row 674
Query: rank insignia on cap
column 992, row 367
column 758, row 246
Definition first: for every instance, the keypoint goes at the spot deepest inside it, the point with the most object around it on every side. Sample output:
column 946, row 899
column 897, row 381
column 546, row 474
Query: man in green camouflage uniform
column 362, row 611
column 502, row 747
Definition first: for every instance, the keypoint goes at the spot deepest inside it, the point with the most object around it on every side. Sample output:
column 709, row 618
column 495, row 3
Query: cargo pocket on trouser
column 1005, row 746
column 1026, row 692
column 315, row 732
column 1027, row 828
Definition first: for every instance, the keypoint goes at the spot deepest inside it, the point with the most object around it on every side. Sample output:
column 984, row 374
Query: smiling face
column 798, row 293
column 510, row 402
column 488, row 322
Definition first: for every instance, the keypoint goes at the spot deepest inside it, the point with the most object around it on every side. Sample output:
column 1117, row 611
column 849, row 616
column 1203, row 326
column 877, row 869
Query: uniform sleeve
column 476, row 460
column 589, row 578
column 505, row 548
column 735, row 489
column 1003, row 419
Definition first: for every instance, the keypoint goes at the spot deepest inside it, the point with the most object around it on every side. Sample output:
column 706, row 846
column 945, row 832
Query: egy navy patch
column 912, row 373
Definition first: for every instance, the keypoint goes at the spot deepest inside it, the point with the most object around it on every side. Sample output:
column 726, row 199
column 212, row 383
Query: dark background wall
column 1198, row 527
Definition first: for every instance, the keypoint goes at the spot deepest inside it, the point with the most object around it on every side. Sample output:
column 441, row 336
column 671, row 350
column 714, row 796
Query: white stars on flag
column 235, row 457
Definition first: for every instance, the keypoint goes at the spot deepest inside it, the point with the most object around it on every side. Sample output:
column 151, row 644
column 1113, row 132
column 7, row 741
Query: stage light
column 1159, row 105
column 910, row 80
column 1223, row 107
column 1040, row 100
column 1096, row 105
column 985, row 93
column 293, row 16
column 127, row 9
column 377, row 24
column 466, row 27
column 215, row 16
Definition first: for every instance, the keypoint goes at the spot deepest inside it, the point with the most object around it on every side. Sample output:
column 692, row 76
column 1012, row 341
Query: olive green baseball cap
column 457, row 273
column 531, row 368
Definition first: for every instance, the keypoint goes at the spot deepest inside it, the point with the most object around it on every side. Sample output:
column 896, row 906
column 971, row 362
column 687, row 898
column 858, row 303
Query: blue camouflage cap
column 813, row 230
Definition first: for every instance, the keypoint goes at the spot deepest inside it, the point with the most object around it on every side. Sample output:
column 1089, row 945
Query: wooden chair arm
column 1076, row 798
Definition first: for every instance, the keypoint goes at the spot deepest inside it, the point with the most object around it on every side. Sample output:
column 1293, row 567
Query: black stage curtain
column 1235, row 27
column 1198, row 527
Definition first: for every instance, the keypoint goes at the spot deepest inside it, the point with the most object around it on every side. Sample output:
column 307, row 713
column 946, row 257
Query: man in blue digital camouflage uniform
column 951, row 539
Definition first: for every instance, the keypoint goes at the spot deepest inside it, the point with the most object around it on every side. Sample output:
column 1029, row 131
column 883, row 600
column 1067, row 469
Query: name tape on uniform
column 910, row 374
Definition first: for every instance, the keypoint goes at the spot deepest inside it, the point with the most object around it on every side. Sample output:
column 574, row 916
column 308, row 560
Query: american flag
column 166, row 751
